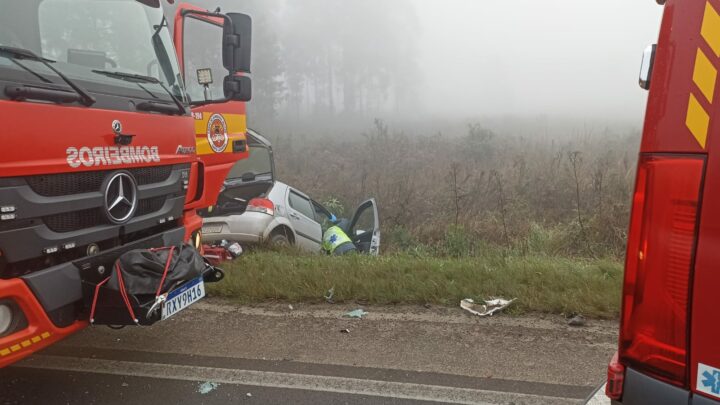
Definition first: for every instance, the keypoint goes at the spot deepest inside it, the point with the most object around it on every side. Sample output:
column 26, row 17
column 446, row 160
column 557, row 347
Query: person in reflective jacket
column 336, row 241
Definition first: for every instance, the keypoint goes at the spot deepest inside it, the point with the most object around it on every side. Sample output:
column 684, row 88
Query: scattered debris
column 290, row 307
column 487, row 309
column 125, row 384
column 249, row 394
column 427, row 305
column 358, row 313
column 207, row 387
column 329, row 296
column 234, row 249
column 345, row 331
column 577, row 320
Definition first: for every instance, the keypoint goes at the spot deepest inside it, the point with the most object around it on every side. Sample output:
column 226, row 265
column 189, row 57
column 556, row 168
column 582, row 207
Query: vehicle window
column 257, row 163
column 203, row 42
column 365, row 221
column 301, row 205
column 89, row 36
column 322, row 215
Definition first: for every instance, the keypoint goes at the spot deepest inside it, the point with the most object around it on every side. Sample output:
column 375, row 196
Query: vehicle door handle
column 294, row 215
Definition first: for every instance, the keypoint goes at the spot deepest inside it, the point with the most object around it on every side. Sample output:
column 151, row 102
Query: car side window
column 322, row 216
column 301, row 205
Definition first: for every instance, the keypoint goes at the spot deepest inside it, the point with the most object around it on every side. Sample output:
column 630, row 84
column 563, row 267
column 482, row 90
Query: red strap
column 95, row 297
column 167, row 267
column 123, row 292
column 121, row 285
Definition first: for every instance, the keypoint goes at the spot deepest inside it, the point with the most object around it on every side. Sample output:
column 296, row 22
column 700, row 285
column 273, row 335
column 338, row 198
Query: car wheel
column 279, row 240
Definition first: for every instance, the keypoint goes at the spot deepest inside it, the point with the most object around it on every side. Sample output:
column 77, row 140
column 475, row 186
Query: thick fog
column 556, row 57
column 346, row 62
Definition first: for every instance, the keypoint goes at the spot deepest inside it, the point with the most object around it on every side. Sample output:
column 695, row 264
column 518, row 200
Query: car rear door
column 302, row 217
column 364, row 229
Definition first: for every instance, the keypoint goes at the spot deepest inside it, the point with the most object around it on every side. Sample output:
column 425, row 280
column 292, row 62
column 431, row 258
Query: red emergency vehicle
column 669, row 345
column 113, row 132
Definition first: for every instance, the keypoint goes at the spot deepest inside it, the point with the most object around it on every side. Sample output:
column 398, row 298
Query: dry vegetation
column 460, row 195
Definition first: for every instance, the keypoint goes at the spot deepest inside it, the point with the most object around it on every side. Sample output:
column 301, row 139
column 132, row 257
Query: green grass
column 540, row 283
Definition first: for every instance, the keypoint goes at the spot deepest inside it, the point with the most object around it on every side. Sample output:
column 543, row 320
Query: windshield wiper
column 147, row 106
column 20, row 53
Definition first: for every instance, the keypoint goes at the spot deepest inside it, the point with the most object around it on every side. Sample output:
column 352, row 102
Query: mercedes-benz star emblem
column 120, row 197
column 117, row 126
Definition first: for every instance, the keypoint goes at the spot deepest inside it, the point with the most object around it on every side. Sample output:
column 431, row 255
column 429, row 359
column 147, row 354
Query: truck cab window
column 83, row 37
column 204, row 71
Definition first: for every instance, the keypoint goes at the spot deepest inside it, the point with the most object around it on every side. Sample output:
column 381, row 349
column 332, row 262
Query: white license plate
column 182, row 297
column 212, row 228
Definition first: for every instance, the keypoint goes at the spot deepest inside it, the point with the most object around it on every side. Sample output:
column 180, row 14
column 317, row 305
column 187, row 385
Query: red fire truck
column 114, row 131
column 669, row 345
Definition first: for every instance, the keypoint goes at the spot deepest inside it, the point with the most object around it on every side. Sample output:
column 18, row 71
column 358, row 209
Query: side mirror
column 237, row 88
column 646, row 66
column 215, row 48
column 237, row 42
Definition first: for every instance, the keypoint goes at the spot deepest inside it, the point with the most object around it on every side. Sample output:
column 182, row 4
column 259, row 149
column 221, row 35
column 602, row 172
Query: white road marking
column 353, row 386
column 599, row 398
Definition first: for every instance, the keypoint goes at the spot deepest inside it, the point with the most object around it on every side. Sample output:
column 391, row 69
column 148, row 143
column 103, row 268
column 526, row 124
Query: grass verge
column 541, row 284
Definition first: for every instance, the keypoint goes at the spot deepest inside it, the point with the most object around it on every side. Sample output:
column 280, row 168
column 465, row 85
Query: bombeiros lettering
column 111, row 155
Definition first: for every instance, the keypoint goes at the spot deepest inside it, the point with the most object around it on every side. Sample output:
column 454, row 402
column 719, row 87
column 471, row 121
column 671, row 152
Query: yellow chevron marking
column 697, row 121
column 705, row 75
column 25, row 343
column 710, row 30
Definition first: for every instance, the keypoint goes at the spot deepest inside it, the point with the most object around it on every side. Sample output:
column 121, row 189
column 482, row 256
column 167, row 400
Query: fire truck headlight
column 6, row 318
column 198, row 240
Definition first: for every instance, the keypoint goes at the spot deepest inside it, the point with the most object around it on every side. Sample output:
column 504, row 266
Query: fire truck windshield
column 84, row 37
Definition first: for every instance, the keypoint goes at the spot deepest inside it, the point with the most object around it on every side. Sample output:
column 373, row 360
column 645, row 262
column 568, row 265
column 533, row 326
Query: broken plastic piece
column 207, row 387
column 358, row 313
column 487, row 309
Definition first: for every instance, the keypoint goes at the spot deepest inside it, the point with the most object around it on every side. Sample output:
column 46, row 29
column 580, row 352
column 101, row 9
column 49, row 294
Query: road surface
column 220, row 353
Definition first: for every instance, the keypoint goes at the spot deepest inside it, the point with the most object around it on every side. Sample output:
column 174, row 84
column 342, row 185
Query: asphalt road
column 219, row 353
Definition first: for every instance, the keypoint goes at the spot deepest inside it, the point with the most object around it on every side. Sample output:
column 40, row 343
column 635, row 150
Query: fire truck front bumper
column 28, row 327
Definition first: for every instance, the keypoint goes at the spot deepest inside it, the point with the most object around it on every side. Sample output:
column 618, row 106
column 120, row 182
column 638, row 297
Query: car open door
column 364, row 229
column 249, row 178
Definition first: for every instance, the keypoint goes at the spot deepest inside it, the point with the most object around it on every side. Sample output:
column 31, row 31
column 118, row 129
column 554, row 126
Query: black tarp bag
column 140, row 281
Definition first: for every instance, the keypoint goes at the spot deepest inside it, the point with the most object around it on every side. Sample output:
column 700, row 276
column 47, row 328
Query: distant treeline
column 330, row 60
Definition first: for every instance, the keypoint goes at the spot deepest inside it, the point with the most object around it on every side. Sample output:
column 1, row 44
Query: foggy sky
column 576, row 58
column 553, row 59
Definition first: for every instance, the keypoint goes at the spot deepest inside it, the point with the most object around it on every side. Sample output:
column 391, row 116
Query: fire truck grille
column 74, row 221
column 77, row 220
column 149, row 205
column 55, row 185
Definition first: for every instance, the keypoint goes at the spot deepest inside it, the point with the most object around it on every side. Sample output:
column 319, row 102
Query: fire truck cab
column 114, row 131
